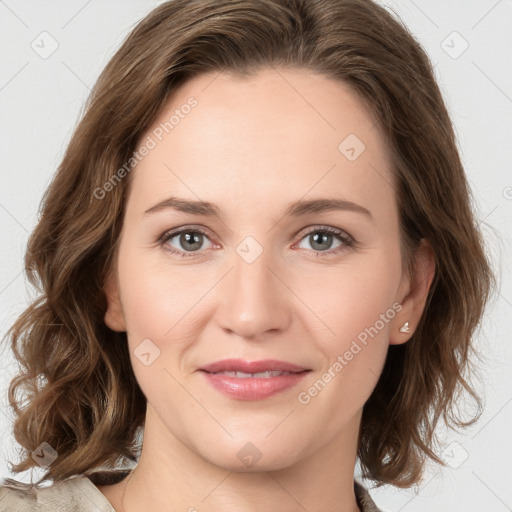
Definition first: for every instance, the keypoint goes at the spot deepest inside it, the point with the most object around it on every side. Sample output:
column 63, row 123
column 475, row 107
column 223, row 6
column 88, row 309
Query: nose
column 254, row 300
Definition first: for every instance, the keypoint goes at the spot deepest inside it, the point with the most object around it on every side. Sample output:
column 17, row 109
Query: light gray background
column 41, row 100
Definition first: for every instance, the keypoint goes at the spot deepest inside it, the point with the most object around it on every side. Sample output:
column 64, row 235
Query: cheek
column 357, row 313
column 161, row 305
column 156, row 296
column 354, row 311
column 348, row 299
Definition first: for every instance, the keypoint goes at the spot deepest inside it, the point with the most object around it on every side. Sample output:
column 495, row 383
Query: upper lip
column 251, row 366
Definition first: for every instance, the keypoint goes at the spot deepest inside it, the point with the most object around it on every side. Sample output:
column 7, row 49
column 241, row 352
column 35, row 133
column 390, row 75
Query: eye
column 183, row 241
column 189, row 242
column 322, row 238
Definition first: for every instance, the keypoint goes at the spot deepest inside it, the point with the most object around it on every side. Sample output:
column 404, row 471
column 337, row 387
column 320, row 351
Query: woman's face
column 262, row 269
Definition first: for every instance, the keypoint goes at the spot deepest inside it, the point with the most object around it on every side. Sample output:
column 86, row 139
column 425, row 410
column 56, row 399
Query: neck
column 172, row 476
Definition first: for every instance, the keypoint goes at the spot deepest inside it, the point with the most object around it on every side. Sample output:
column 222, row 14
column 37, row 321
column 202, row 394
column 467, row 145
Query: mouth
column 252, row 387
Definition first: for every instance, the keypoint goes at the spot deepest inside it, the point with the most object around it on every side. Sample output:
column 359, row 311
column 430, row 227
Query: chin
column 252, row 456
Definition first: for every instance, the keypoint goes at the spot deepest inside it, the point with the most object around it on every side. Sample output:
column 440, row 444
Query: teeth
column 261, row 375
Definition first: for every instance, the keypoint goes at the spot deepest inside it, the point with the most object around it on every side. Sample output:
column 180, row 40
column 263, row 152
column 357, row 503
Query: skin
column 253, row 146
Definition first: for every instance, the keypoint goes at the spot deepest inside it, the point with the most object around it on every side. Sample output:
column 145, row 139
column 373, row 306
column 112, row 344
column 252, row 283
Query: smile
column 253, row 386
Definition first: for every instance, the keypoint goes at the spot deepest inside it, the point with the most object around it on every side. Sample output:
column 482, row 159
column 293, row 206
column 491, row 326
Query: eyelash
column 347, row 240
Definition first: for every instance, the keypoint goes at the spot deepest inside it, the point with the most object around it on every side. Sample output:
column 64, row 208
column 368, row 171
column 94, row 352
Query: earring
column 405, row 327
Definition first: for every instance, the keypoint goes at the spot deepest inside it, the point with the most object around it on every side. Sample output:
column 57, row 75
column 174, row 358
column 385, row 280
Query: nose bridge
column 253, row 299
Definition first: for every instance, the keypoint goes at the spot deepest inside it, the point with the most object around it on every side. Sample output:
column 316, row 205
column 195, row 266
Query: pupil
column 323, row 239
column 193, row 240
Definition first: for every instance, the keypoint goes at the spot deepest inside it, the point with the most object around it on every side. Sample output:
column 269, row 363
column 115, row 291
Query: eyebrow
column 296, row 209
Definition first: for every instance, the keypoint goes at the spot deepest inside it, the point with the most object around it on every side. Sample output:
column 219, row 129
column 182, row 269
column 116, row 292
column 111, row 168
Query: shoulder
column 364, row 500
column 77, row 493
column 80, row 494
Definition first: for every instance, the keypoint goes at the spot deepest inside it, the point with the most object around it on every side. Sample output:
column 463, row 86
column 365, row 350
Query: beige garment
column 80, row 494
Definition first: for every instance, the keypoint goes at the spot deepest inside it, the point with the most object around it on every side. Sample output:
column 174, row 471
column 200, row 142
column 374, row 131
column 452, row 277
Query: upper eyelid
column 323, row 227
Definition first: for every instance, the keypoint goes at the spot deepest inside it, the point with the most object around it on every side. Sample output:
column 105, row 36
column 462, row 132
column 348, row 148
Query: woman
column 258, row 253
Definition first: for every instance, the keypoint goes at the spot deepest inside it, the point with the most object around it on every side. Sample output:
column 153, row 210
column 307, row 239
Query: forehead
column 292, row 131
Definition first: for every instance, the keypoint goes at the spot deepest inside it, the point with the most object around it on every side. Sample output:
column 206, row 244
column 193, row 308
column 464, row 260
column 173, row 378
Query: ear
column 413, row 293
column 114, row 315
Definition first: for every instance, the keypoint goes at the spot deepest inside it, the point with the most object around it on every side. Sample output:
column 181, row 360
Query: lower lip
column 252, row 388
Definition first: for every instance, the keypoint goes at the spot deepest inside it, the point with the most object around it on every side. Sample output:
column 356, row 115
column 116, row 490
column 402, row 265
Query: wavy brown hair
column 76, row 389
